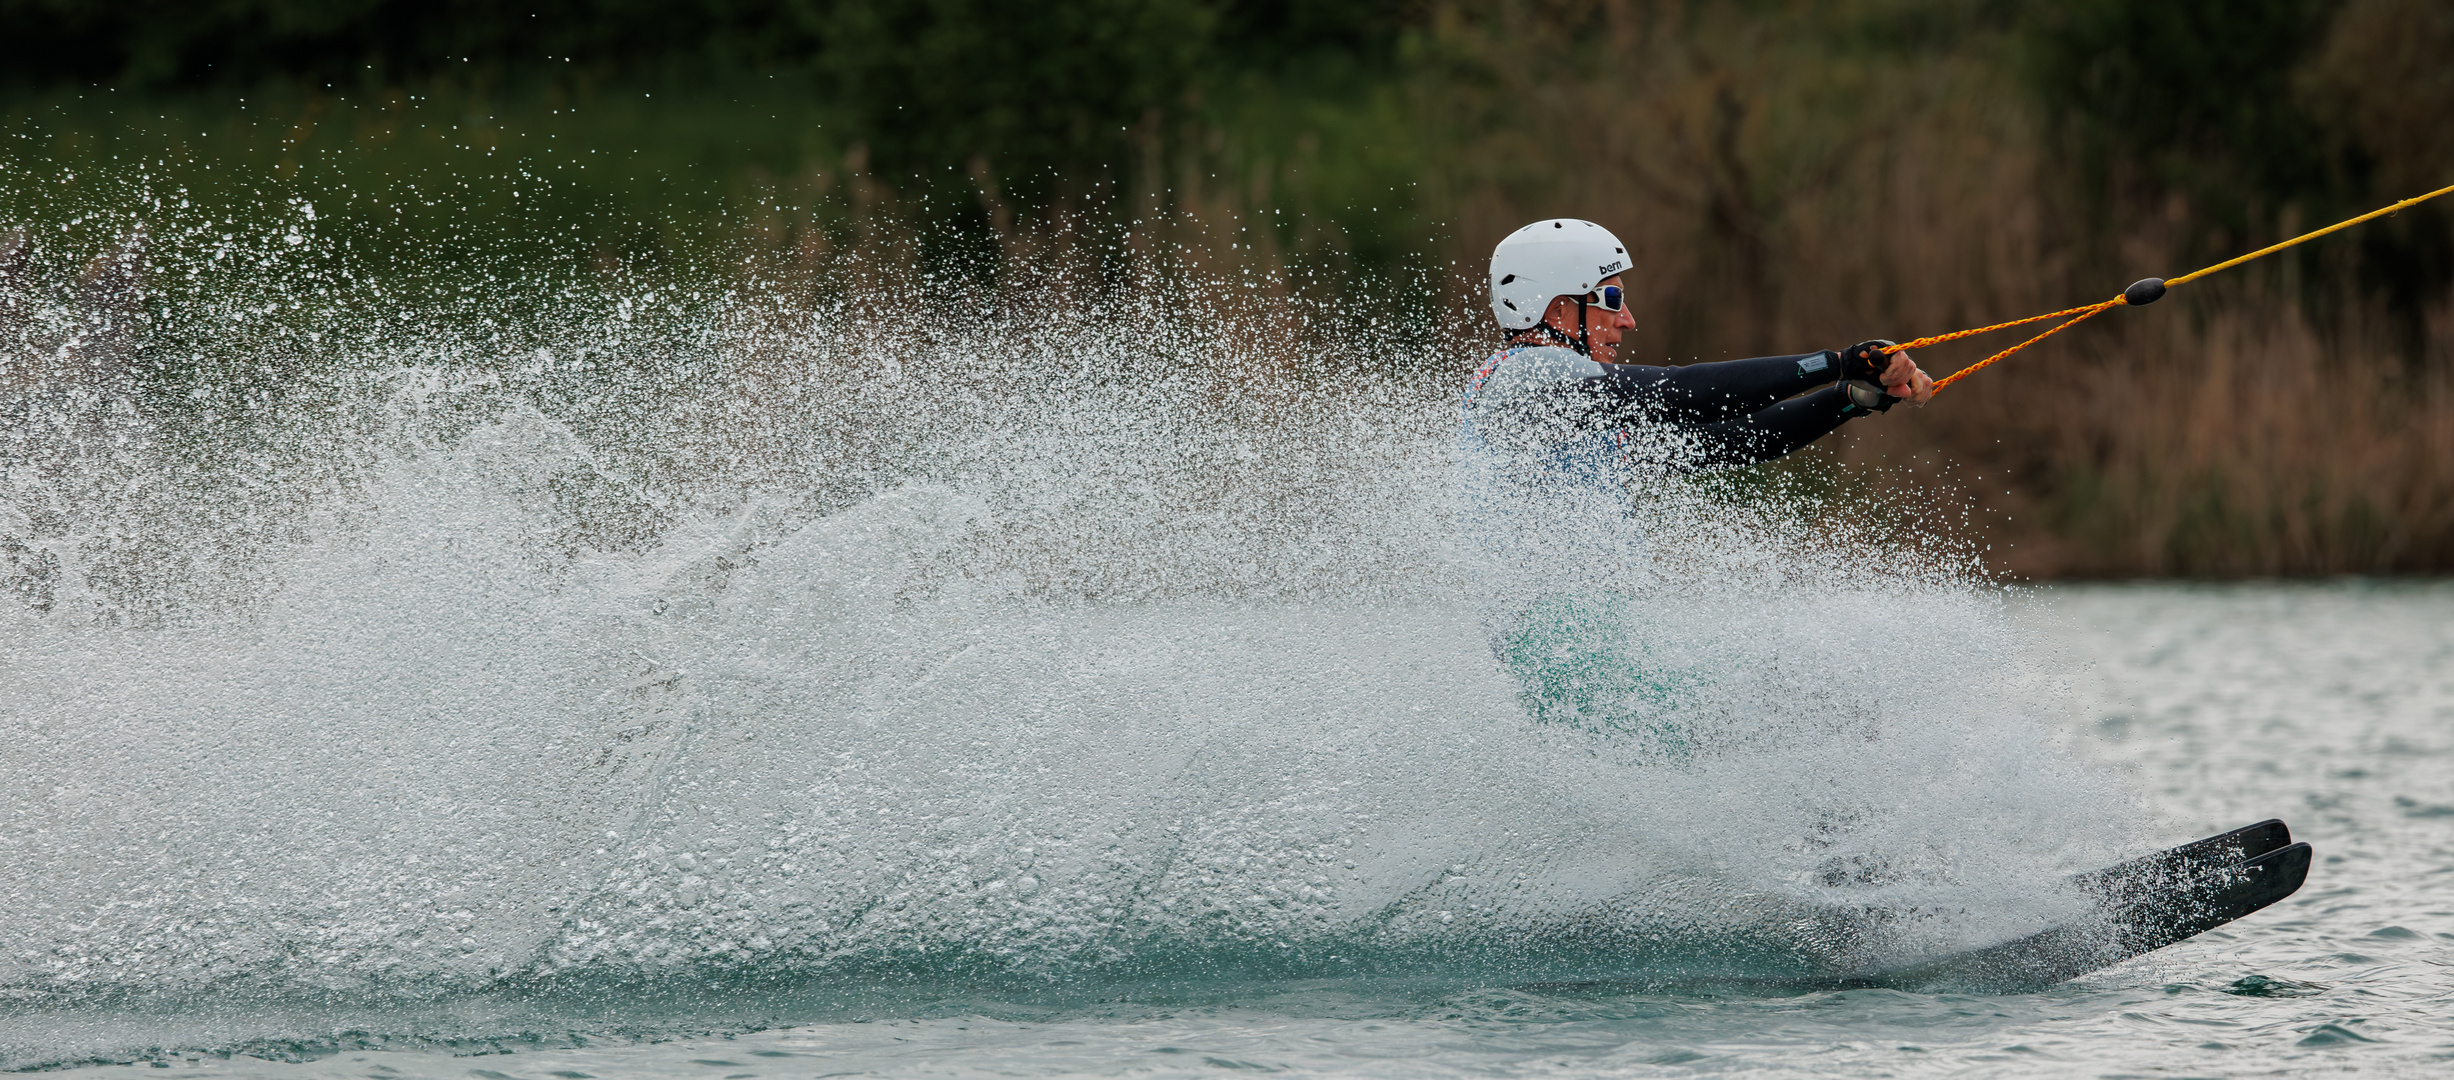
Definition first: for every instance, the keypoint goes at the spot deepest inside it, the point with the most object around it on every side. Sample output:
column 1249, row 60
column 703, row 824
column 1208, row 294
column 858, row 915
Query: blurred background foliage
column 1793, row 173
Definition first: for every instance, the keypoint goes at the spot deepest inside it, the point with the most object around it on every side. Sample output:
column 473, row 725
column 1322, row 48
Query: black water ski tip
column 2142, row 905
column 2221, row 850
column 2138, row 906
column 2240, row 845
column 2210, row 901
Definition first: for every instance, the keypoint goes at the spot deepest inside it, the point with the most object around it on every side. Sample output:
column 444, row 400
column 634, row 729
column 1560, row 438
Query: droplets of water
column 441, row 632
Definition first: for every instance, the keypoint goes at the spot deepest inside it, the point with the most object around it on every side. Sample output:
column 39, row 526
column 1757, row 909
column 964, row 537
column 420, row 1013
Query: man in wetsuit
column 1556, row 434
column 1558, row 392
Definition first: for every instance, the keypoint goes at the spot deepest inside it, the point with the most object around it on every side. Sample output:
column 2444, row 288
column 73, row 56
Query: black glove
column 1861, row 375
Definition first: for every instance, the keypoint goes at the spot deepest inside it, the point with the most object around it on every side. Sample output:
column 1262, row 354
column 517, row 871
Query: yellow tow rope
column 2145, row 292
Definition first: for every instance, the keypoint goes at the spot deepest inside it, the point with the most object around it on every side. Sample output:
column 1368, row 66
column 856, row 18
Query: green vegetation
column 925, row 85
column 1793, row 173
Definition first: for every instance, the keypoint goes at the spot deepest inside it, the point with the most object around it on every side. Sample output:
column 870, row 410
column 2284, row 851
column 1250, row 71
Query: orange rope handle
column 2085, row 312
column 1958, row 334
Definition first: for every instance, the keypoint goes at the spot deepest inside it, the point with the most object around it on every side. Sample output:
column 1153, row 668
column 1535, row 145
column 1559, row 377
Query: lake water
column 2326, row 705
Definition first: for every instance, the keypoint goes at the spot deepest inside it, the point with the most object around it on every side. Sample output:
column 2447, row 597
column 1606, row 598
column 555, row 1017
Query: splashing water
column 537, row 654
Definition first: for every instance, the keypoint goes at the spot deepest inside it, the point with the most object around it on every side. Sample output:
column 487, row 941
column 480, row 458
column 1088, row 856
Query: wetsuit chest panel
column 1528, row 417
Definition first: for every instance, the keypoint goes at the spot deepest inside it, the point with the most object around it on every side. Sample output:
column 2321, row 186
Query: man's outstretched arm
column 1700, row 395
column 1709, row 393
column 1766, row 434
column 1729, row 389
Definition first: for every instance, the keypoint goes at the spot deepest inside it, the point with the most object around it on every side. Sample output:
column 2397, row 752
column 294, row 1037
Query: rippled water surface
column 2327, row 705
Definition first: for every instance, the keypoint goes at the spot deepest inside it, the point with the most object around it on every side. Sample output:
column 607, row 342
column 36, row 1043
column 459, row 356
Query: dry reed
column 1781, row 202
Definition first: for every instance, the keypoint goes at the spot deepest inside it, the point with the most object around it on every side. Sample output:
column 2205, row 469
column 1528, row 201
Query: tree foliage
column 2198, row 93
column 926, row 84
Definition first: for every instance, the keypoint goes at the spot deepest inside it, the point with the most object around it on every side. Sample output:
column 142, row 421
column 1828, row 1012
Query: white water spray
column 406, row 645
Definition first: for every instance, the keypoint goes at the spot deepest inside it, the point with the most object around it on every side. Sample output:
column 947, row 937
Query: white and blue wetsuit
column 1553, row 445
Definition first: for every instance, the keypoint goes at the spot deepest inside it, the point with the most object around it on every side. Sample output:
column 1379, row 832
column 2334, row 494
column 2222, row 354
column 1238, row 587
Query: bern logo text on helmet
column 1609, row 268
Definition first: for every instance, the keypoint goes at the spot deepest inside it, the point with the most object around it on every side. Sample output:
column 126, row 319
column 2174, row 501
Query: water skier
column 1556, row 432
column 1559, row 379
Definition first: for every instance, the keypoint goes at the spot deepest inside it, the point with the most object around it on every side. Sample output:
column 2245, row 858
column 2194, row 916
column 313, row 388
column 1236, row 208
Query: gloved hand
column 1861, row 375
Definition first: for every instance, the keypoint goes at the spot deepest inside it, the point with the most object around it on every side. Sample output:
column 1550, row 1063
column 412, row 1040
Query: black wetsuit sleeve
column 1711, row 393
column 1770, row 432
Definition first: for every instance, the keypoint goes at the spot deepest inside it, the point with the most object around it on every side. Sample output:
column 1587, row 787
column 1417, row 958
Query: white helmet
column 1558, row 257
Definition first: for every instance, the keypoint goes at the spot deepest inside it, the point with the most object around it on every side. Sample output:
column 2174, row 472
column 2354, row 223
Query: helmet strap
column 1582, row 342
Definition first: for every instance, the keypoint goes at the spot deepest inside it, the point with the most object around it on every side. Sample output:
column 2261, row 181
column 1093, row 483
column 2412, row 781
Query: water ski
column 2141, row 906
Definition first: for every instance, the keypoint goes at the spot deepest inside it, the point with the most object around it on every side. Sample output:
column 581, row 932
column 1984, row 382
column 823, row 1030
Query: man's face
column 1603, row 327
column 1607, row 327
